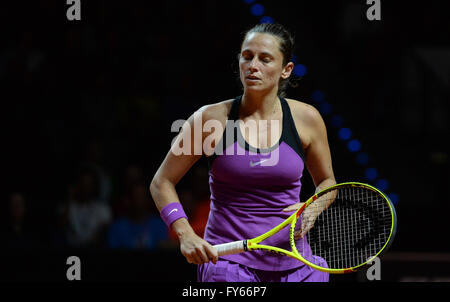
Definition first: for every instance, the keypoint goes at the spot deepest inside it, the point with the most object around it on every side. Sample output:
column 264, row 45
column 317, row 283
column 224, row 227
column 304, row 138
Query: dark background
column 107, row 88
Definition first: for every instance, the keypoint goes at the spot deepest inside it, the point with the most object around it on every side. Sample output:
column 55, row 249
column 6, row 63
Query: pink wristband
column 171, row 212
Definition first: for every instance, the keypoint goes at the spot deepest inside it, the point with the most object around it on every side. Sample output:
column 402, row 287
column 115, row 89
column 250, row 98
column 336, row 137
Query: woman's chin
column 258, row 89
column 253, row 87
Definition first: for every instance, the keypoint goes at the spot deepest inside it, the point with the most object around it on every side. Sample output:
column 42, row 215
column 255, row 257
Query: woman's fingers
column 191, row 255
column 205, row 253
column 212, row 253
column 293, row 207
column 194, row 258
column 198, row 251
column 202, row 254
column 307, row 222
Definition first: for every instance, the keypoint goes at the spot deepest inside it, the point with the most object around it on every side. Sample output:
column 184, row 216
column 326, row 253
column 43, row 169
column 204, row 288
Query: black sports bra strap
column 290, row 133
column 234, row 110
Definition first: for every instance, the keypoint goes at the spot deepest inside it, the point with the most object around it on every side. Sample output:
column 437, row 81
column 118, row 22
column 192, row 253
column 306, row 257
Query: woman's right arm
column 162, row 188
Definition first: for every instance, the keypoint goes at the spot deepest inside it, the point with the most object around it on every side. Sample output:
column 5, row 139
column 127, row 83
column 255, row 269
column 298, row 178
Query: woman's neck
column 260, row 106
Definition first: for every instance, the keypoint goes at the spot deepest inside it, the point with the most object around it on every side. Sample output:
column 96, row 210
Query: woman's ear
column 287, row 70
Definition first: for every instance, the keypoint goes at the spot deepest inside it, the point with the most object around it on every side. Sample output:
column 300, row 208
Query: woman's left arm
column 318, row 163
column 318, row 156
column 317, row 150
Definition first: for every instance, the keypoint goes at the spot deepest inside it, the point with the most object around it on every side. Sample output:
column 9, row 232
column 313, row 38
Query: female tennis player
column 255, row 180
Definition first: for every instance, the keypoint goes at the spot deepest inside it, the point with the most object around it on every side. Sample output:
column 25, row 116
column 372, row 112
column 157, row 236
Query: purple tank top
column 247, row 196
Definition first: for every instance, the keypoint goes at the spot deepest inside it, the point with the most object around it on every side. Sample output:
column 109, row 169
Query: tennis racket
column 342, row 228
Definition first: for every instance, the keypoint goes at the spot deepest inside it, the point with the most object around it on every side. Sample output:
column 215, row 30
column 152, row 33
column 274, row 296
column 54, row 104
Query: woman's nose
column 253, row 65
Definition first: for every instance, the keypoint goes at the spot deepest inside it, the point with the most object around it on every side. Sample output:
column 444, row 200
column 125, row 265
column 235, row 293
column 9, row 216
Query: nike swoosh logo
column 252, row 164
column 174, row 210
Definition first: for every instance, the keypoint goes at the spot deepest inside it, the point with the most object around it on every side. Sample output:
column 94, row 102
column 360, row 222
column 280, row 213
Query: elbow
column 158, row 184
column 154, row 185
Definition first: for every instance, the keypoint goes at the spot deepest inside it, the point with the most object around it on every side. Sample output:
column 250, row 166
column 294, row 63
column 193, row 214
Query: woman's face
column 261, row 63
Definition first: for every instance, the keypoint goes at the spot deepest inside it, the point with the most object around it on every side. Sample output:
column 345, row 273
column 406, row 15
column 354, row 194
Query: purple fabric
column 226, row 271
column 247, row 200
column 172, row 212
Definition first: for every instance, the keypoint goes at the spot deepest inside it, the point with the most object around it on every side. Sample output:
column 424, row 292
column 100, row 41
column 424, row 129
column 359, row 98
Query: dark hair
column 286, row 47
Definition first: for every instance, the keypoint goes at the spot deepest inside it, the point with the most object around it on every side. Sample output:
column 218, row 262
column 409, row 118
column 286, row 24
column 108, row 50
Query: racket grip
column 229, row 248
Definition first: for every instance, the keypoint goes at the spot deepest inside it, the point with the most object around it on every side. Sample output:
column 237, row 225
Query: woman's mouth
column 253, row 78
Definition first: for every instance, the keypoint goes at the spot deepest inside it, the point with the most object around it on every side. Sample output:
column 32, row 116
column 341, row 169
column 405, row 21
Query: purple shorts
column 227, row 271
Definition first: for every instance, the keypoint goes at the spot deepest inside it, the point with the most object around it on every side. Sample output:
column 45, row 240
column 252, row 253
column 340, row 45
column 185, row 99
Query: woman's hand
column 194, row 248
column 311, row 212
column 308, row 218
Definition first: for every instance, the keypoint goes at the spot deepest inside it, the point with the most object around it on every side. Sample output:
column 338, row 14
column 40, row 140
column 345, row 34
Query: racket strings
column 354, row 227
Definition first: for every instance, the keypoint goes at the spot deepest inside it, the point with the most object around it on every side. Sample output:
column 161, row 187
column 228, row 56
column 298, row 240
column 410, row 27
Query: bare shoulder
column 216, row 111
column 308, row 121
column 304, row 113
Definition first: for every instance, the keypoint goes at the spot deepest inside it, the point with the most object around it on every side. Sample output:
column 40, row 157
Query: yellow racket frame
column 253, row 244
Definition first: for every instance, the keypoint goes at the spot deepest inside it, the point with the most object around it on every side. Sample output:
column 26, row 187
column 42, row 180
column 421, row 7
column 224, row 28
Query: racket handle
column 229, row 248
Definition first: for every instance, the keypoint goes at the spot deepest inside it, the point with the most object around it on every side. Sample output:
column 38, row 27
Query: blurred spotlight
column 300, row 70
column 325, row 108
column 382, row 184
column 337, row 121
column 371, row 174
column 362, row 158
column 266, row 19
column 354, row 145
column 394, row 198
column 294, row 59
column 318, row 96
column 344, row 133
column 257, row 10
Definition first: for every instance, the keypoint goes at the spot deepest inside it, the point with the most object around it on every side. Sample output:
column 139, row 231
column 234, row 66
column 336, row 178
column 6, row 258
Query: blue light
column 382, row 184
column 318, row 96
column 371, row 174
column 345, row 133
column 294, row 59
column 249, row 1
column 257, row 10
column 337, row 121
column 266, row 19
column 394, row 198
column 362, row 159
column 300, row 70
column 325, row 108
column 354, row 145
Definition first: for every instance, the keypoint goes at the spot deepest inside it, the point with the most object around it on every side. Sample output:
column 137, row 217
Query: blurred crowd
column 95, row 213
column 83, row 101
